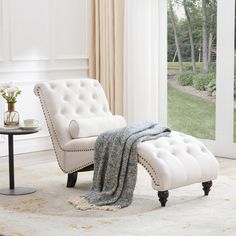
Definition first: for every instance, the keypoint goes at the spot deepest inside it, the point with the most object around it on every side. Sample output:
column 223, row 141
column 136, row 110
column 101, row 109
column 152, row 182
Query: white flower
column 6, row 85
column 11, row 91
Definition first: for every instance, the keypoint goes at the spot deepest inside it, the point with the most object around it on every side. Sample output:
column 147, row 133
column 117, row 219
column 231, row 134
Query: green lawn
column 174, row 66
column 192, row 115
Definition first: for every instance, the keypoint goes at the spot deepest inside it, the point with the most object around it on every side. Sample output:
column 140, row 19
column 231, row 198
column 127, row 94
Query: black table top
column 18, row 131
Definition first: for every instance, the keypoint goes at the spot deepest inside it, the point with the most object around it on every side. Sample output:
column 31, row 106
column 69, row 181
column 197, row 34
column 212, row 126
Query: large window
column 192, row 37
column 201, row 63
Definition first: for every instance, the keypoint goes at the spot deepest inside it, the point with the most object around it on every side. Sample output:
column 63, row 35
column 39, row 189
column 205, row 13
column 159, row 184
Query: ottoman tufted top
column 177, row 160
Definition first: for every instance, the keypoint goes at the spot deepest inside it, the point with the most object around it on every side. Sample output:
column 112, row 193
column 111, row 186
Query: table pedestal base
column 17, row 191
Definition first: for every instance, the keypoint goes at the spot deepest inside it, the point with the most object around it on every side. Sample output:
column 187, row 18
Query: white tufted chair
column 172, row 162
column 63, row 101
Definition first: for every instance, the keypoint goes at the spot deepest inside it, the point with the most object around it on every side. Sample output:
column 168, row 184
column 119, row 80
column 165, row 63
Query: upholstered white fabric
column 177, row 160
column 90, row 127
column 63, row 101
column 173, row 161
column 72, row 99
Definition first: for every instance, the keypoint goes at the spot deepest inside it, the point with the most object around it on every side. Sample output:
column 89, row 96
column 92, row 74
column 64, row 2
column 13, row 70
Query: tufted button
column 92, row 109
column 81, row 97
column 188, row 150
column 63, row 111
column 203, row 149
column 178, row 151
column 68, row 85
column 171, row 142
column 78, row 110
column 173, row 151
column 52, row 86
column 94, row 96
column 82, row 84
column 65, row 98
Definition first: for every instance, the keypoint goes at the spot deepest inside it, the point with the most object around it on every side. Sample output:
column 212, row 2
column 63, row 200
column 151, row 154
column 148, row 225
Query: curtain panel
column 106, row 61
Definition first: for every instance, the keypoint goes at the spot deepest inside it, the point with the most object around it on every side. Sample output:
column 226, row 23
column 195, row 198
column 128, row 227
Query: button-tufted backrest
column 64, row 100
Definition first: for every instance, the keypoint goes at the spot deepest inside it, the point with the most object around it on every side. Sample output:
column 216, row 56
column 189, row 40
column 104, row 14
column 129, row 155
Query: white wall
column 40, row 40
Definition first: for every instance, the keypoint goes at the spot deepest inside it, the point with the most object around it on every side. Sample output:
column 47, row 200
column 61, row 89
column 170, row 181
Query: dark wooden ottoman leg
column 207, row 187
column 163, row 195
column 71, row 181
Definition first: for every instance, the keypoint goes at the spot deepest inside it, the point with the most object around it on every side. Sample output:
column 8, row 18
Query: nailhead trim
column 81, row 150
column 147, row 165
column 47, row 116
column 81, row 167
column 45, row 110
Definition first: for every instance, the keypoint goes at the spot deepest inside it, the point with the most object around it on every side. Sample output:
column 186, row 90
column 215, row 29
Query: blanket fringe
column 82, row 205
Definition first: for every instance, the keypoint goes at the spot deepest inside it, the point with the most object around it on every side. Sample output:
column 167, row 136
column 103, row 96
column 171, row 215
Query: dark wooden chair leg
column 163, row 195
column 71, row 180
column 207, row 187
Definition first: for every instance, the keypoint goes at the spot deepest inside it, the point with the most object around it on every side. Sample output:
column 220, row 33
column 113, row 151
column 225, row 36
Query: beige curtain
column 106, row 62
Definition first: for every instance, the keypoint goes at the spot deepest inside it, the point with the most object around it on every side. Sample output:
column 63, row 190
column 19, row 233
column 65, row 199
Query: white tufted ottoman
column 175, row 161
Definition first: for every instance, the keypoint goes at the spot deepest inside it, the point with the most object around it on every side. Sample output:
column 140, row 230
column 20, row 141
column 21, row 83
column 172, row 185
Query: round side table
column 12, row 190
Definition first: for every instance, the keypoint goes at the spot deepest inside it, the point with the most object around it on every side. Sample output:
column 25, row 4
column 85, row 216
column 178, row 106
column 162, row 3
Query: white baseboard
column 27, row 145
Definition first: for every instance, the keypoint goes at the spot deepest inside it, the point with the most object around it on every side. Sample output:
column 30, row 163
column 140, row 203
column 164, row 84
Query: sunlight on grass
column 192, row 115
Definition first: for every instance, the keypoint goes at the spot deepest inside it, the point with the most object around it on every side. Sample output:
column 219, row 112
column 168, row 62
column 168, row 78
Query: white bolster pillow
column 89, row 127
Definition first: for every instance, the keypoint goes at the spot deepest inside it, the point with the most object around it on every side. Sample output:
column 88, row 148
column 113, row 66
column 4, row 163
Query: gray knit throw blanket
column 115, row 167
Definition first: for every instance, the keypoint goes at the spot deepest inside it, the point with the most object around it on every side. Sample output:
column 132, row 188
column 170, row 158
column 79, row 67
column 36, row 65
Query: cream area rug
column 47, row 212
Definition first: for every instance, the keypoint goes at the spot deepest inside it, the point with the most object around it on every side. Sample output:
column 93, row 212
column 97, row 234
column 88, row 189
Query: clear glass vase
column 11, row 117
